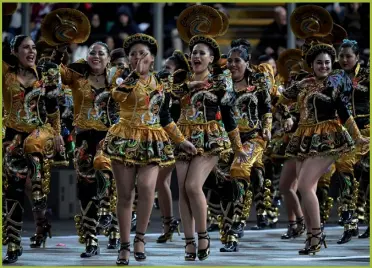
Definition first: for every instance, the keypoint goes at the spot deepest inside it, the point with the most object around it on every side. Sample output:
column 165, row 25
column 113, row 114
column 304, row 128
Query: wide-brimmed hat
column 140, row 39
column 209, row 41
column 199, row 20
column 9, row 8
column 337, row 35
column 65, row 26
column 225, row 23
column 288, row 59
column 311, row 20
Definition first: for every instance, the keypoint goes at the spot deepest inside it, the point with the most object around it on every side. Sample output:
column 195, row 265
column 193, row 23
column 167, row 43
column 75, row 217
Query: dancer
column 137, row 144
column 90, row 81
column 201, row 98
column 32, row 138
column 173, row 64
column 320, row 134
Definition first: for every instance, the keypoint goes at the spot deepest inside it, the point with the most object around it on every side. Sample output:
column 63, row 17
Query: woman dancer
column 320, row 134
column 32, row 138
column 202, row 97
column 137, row 144
column 252, row 112
column 174, row 63
column 345, row 166
column 90, row 81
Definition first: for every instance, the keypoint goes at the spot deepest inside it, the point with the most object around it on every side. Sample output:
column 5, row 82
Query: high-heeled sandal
column 290, row 231
column 305, row 250
column 321, row 236
column 173, row 226
column 190, row 256
column 203, row 254
column 139, row 256
column 40, row 239
column 122, row 261
column 12, row 254
column 300, row 229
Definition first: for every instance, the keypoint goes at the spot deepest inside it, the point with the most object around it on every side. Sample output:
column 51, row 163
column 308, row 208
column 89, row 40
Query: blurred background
column 264, row 25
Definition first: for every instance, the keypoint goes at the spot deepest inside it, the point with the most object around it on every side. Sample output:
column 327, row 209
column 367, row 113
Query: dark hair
column 243, row 47
column 352, row 44
column 310, row 59
column 179, row 62
column 264, row 58
column 9, row 47
column 117, row 53
column 17, row 41
column 101, row 44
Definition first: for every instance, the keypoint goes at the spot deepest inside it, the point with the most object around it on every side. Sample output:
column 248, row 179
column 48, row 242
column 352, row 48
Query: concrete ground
column 259, row 248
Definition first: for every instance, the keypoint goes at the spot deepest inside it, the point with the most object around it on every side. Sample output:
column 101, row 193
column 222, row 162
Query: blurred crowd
column 112, row 23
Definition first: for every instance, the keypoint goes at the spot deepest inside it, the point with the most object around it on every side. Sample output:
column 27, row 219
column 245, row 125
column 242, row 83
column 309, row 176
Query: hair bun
column 241, row 42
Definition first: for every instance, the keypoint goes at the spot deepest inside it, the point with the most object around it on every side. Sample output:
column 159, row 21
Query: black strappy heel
column 123, row 246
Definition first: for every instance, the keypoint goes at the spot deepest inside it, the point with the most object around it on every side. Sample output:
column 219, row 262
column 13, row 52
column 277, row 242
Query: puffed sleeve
column 342, row 86
column 125, row 85
column 225, row 93
column 166, row 120
column 264, row 100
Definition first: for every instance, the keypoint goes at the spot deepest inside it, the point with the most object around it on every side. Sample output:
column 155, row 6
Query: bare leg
column 124, row 178
column 310, row 172
column 165, row 194
column 288, row 187
column 184, row 205
column 198, row 171
column 146, row 183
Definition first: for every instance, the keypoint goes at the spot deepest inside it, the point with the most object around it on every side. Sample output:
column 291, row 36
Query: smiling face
column 136, row 53
column 322, row 65
column 170, row 66
column 201, row 57
column 347, row 58
column 26, row 53
column 236, row 65
column 98, row 58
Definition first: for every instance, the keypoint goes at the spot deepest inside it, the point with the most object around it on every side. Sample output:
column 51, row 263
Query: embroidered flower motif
column 119, row 81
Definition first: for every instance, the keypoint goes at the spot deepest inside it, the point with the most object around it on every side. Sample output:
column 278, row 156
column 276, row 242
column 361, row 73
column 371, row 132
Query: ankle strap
column 301, row 219
column 168, row 220
column 124, row 246
column 139, row 233
column 203, row 235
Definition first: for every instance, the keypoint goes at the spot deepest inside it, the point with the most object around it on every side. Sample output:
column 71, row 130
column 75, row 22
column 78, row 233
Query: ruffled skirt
column 327, row 138
column 138, row 145
column 209, row 139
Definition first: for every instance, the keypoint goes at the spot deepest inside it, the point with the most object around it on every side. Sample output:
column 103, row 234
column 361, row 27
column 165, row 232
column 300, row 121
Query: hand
column 288, row 124
column 266, row 134
column 196, row 84
column 140, row 65
column 241, row 157
column 362, row 144
column 59, row 143
column 188, row 147
column 269, row 51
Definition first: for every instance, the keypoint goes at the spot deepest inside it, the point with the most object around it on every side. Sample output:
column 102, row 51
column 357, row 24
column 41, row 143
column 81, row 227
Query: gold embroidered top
column 142, row 104
column 252, row 104
column 93, row 108
column 360, row 97
column 321, row 100
column 26, row 108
